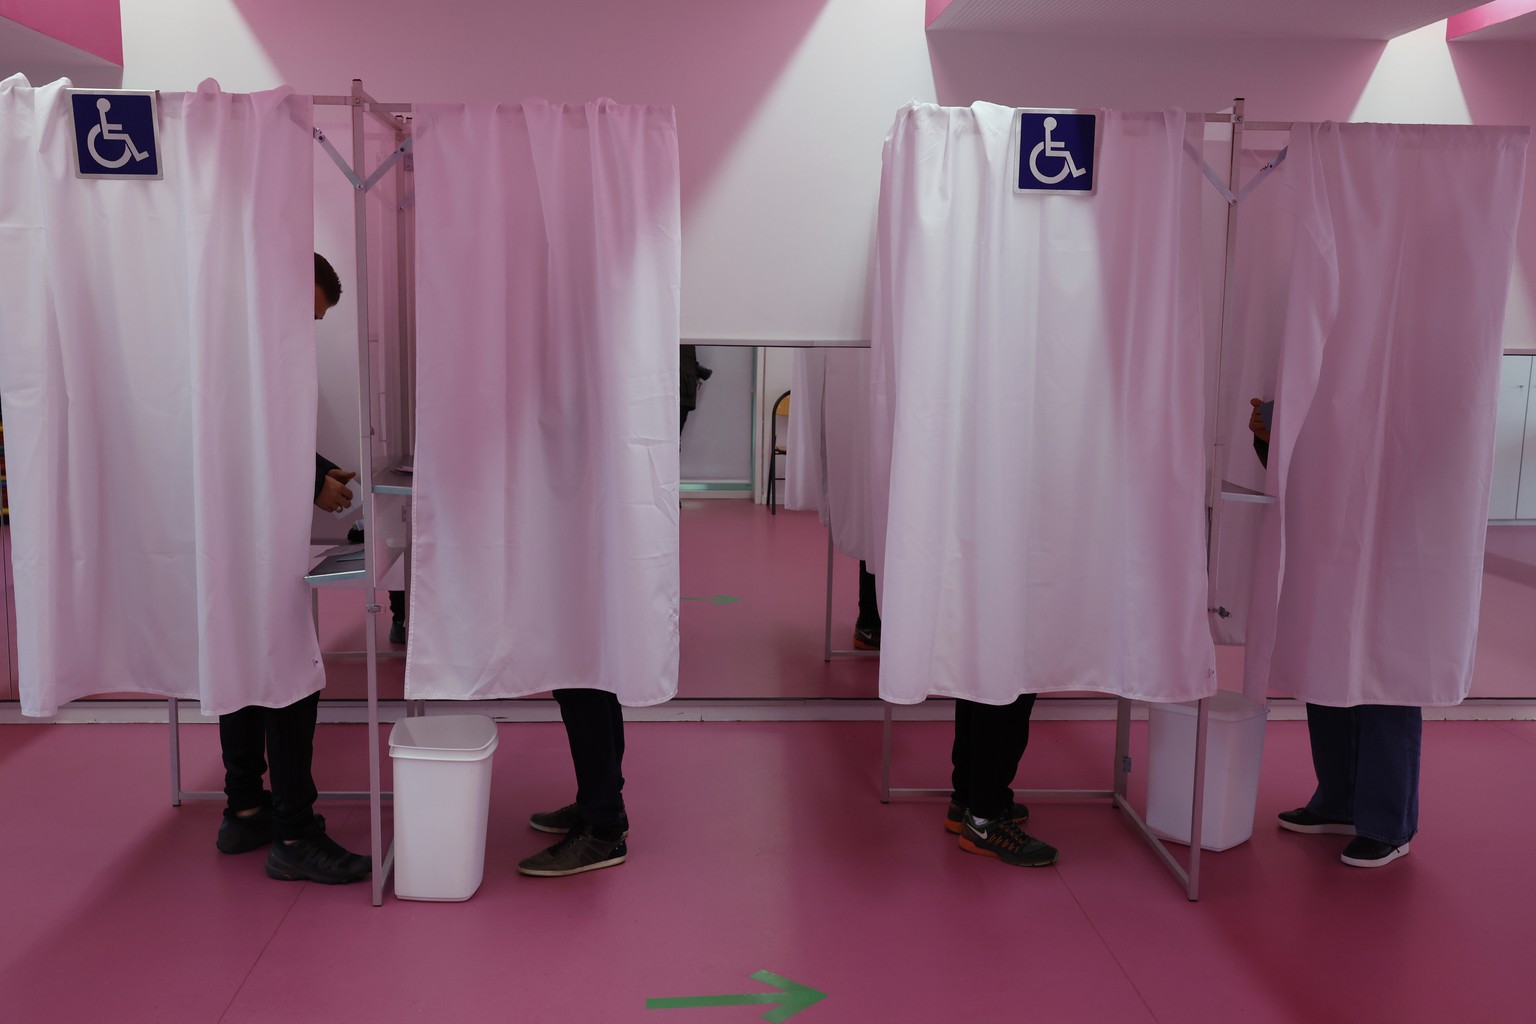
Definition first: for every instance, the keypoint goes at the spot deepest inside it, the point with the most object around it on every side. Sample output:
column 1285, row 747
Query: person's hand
column 335, row 495
column 1256, row 421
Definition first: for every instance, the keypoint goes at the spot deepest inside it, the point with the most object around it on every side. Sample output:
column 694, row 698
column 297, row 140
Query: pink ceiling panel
column 94, row 26
column 1502, row 19
column 1327, row 19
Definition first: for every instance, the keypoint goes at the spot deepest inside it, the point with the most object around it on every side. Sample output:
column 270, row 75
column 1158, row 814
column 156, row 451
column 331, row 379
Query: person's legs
column 866, row 628
column 1335, row 737
column 995, row 737
column 301, row 851
column 596, row 826
column 594, row 725
column 1386, row 796
column 989, row 742
column 247, row 822
column 290, row 736
column 243, row 742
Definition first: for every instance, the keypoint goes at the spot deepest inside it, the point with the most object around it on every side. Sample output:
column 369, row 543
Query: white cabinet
column 1514, row 447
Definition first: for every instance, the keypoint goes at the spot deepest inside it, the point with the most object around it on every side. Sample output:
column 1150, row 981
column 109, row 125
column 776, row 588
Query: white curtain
column 157, row 371
column 1370, row 565
column 1259, row 290
column 1037, row 409
column 829, row 461
column 546, row 502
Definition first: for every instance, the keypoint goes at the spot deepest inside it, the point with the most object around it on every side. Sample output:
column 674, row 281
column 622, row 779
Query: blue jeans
column 1367, row 764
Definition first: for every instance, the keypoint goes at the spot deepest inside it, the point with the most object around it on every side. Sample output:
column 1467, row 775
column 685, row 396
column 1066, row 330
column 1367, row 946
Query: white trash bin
column 442, row 800
column 1233, row 751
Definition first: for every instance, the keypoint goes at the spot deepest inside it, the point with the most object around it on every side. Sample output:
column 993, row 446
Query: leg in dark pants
column 594, row 724
column 253, row 736
column 989, row 742
column 1367, row 764
column 243, row 740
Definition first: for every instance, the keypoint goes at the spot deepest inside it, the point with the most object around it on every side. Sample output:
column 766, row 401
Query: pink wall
column 95, row 26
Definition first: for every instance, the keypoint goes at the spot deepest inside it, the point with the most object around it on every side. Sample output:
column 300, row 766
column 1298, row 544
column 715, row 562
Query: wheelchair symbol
column 106, row 131
column 1051, row 148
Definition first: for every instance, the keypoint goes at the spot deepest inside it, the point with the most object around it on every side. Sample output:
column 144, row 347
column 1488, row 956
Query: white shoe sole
column 1401, row 851
column 542, row 873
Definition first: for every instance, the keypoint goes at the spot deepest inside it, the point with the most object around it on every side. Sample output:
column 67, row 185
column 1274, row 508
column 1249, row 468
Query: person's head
column 327, row 287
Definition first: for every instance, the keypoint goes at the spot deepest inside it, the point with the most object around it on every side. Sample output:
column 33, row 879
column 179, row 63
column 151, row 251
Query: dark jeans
column 1367, row 764
column 989, row 741
column 254, row 737
column 594, row 724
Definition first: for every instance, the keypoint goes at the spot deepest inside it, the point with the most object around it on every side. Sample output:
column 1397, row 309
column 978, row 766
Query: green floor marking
column 717, row 599
column 791, row 998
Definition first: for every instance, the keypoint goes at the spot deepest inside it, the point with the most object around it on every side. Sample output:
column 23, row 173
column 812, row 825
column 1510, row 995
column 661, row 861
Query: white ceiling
column 1326, row 19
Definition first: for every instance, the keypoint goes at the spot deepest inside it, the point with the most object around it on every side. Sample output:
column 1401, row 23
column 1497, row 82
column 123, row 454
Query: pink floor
column 763, row 846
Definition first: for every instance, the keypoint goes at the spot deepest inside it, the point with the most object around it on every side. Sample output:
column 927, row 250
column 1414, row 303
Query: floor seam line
column 261, row 953
column 1110, row 950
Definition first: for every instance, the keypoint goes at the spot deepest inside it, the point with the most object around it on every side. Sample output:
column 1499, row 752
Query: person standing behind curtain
column 1366, row 759
column 692, row 374
column 256, row 739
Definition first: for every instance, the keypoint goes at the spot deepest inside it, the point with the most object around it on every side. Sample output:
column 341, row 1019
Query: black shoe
column 252, row 832
column 1304, row 821
column 578, row 850
column 954, row 818
column 242, row 835
column 866, row 638
column 1005, row 839
column 562, row 821
column 1371, row 853
column 397, row 631
column 318, row 858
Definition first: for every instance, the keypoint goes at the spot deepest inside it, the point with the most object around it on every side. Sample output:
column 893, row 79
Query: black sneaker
column 397, row 631
column 318, row 858
column 252, row 832
column 866, row 638
column 954, row 818
column 562, row 821
column 242, row 835
column 1005, row 839
column 1304, row 821
column 1371, row 853
column 578, row 850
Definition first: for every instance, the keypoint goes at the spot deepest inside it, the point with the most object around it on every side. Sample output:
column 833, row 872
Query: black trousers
column 254, row 739
column 594, row 724
column 989, row 742
column 869, row 608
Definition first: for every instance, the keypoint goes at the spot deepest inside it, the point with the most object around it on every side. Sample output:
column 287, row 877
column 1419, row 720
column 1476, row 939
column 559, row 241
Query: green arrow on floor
column 717, row 599
column 791, row 998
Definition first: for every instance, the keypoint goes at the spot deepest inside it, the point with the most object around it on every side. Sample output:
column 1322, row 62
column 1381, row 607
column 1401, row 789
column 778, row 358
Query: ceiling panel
column 1515, row 30
column 1326, row 19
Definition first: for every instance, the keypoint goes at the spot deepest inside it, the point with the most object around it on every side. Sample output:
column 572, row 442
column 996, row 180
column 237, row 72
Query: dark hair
column 326, row 280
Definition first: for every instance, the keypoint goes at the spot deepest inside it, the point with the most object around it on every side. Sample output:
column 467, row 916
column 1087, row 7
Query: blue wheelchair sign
column 115, row 134
column 1057, row 151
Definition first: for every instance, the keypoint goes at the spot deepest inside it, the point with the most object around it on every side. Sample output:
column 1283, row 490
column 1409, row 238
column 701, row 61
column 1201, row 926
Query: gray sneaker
column 578, row 850
column 562, row 821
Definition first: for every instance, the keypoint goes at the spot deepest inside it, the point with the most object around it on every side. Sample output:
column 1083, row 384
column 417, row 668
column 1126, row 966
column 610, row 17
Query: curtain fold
column 1036, row 416
column 1370, row 565
column 546, row 502
column 157, row 370
column 829, row 461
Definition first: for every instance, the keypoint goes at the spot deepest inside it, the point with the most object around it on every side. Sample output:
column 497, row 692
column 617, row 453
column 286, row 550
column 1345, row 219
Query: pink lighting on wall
column 1475, row 20
column 95, row 26
column 936, row 8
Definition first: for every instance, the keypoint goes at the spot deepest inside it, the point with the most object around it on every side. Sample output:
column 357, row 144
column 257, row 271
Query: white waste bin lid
column 443, row 738
column 1226, row 706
